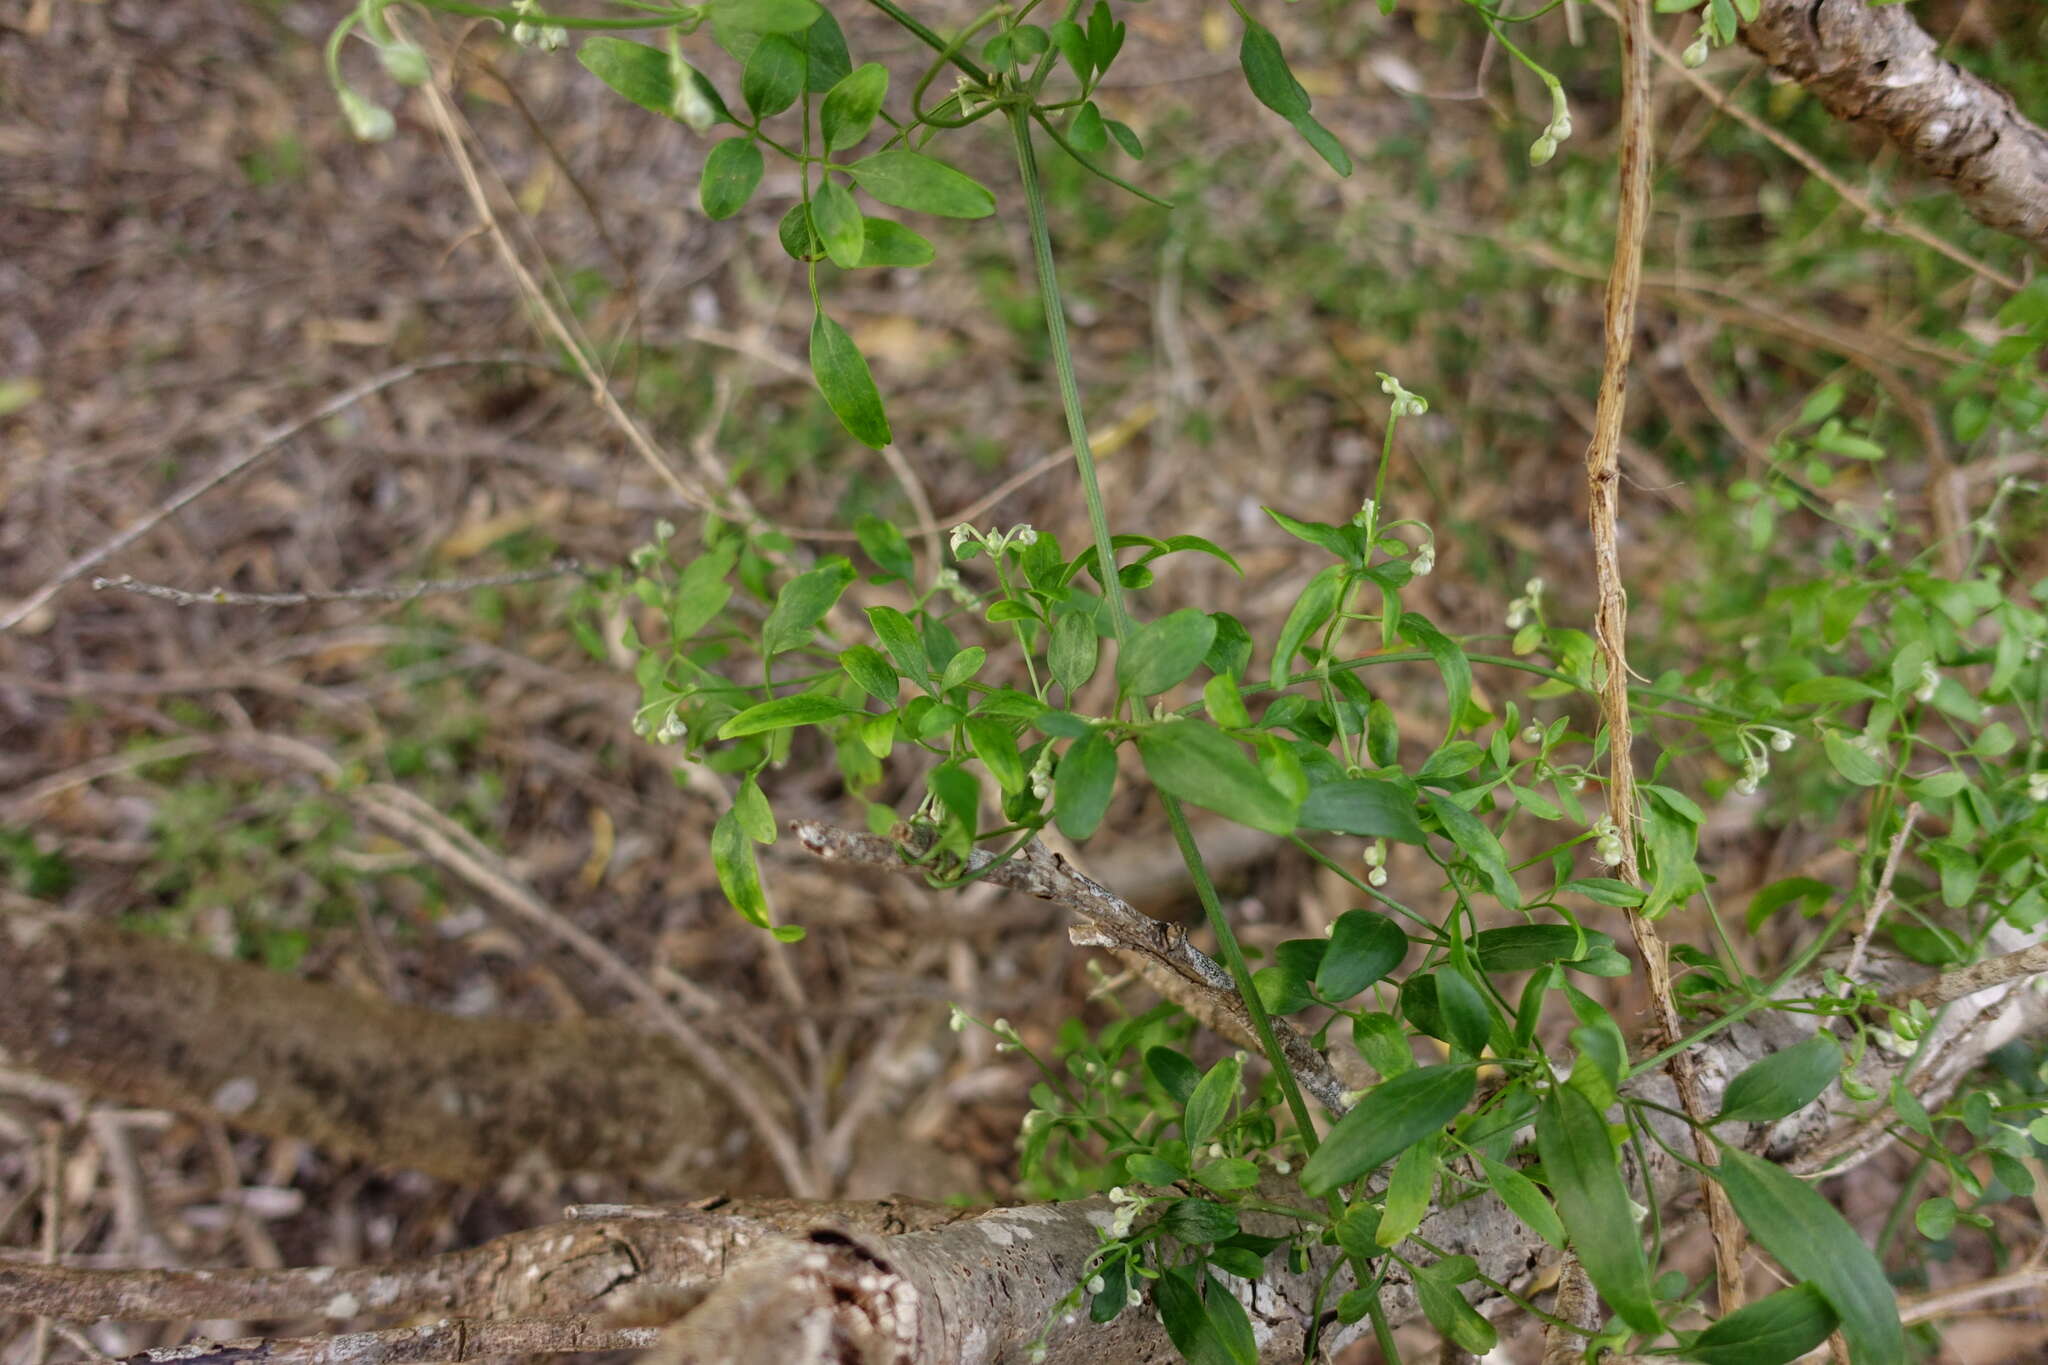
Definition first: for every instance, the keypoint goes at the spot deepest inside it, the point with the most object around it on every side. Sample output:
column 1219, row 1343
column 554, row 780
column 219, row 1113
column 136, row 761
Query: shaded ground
column 192, row 250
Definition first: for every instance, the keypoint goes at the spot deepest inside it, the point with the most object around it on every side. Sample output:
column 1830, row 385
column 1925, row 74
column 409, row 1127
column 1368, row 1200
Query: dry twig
column 398, row 592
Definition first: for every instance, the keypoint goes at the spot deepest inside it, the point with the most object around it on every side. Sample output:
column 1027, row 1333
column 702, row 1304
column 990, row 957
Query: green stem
column 1240, row 970
column 1063, row 366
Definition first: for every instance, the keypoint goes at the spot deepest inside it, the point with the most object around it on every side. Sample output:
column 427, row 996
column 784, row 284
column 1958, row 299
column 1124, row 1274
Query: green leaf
column 1266, row 72
column 962, row 666
column 1524, row 1200
column 1818, row 691
column 1126, row 138
column 805, row 708
column 751, row 808
column 1364, row 946
column 1603, row 891
column 866, row 666
column 797, row 236
column 849, row 389
column 1772, row 1331
column 1782, row 1083
column 1174, row 1072
column 773, row 76
column 850, row 106
column 1073, row 45
column 1363, row 806
column 1409, row 1186
column 1851, row 760
column 801, row 604
column 1324, row 142
column 1199, row 1220
column 1224, row 703
column 1211, row 1102
column 1162, row 653
column 893, row 245
column 883, row 542
column 1585, row 1179
column 1444, row 1304
column 701, row 593
column 899, row 637
column 1199, row 764
column 825, row 54
column 1392, row 1117
column 1086, row 132
column 1311, row 611
column 1083, row 784
column 1204, row 1332
column 838, row 223
column 996, row 747
column 1450, row 660
column 767, row 16
column 1467, row 1020
column 732, row 858
column 1808, row 1237
column 642, row 74
column 731, row 173
column 1074, row 650
column 922, row 184
column 1523, row 947
column 1226, row 1175
column 1477, row 843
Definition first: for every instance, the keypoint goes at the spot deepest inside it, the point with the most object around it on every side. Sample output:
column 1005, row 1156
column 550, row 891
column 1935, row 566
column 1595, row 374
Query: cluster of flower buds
column 1758, row 744
column 1559, row 129
column 1128, row 1207
column 527, row 33
column 1607, row 842
column 1529, row 604
column 1376, row 863
column 1041, row 775
column 967, row 541
column 1406, row 404
column 689, row 103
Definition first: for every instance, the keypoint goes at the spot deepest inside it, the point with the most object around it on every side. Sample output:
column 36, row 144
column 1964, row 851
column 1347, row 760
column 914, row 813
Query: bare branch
column 1038, row 871
column 264, row 444
column 449, row 1339
column 1874, row 63
column 1978, row 976
column 401, row 592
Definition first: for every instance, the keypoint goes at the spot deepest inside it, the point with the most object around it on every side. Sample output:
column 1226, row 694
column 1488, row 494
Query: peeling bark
column 852, row 1283
column 152, row 1023
column 1876, row 65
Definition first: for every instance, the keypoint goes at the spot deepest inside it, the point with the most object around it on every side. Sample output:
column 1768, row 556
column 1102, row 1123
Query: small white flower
column 1096, row 1284
column 960, row 1020
column 2037, row 786
column 1781, row 740
column 369, row 122
column 1695, row 54
column 1542, row 149
column 690, row 103
column 1376, row 853
column 961, row 534
column 1425, row 559
column 672, row 729
column 1532, row 734
column 1024, row 536
column 1284, row 1167
column 1215, row 1151
column 1518, row 613
column 1534, row 588
column 1930, row 680
column 1376, row 877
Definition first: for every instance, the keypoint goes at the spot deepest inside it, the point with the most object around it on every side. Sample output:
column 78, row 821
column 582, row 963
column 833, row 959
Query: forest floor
column 194, row 253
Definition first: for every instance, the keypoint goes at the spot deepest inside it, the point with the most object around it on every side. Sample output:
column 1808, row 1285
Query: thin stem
column 1063, row 366
column 1240, row 970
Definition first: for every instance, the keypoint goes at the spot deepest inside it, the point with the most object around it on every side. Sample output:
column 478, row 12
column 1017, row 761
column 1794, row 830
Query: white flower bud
column 1376, row 877
column 1695, row 54
column 1532, row 734
column 1425, row 559
column 369, row 122
column 1542, row 149
column 1096, row 1284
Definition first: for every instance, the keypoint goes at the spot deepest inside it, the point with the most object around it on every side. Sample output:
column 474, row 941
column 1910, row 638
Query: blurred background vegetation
column 192, row 249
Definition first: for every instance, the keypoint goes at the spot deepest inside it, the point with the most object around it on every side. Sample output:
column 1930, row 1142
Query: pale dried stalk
column 1603, row 479
column 264, row 444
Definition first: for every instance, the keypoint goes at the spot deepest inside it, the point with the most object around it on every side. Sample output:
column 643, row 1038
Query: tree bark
column 803, row 1283
column 152, row 1023
column 1875, row 65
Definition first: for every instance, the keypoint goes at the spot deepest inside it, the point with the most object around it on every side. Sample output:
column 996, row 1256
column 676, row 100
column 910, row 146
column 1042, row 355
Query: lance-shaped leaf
column 1392, row 1117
